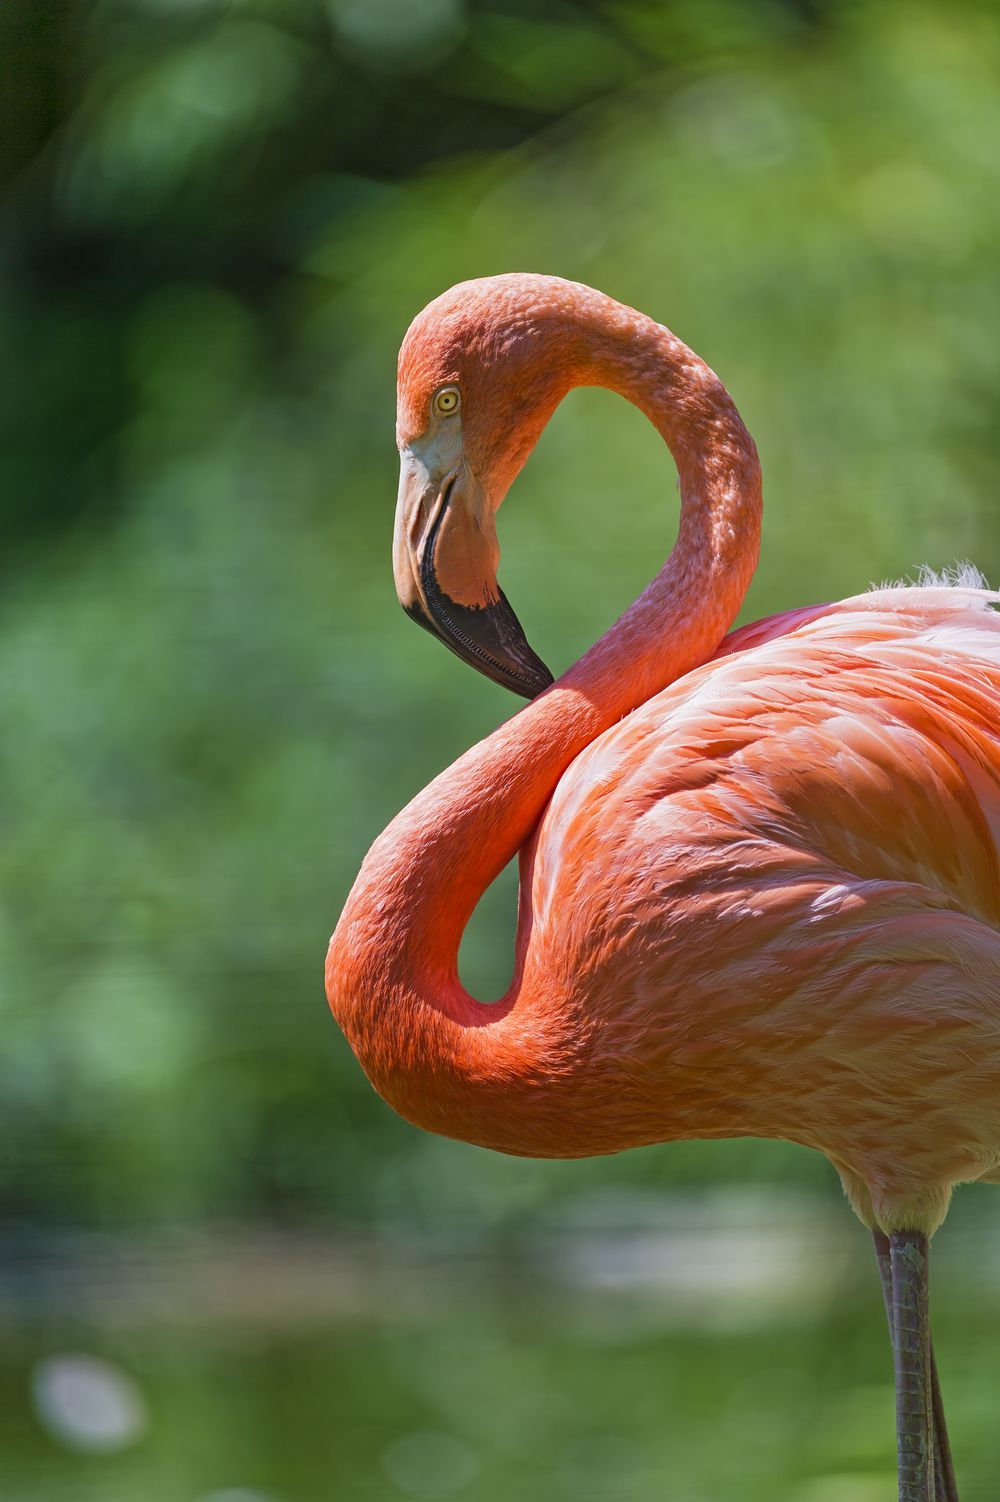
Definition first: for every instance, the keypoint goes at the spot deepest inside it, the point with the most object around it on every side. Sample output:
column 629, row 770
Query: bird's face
column 474, row 393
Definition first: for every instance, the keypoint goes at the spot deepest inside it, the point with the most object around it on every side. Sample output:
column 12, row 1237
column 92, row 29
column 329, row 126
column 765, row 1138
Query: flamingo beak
column 445, row 557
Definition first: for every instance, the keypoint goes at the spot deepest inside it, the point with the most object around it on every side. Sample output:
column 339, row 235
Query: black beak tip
column 489, row 637
column 536, row 682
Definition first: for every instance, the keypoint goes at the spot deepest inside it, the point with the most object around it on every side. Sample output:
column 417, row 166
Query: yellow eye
column 447, row 401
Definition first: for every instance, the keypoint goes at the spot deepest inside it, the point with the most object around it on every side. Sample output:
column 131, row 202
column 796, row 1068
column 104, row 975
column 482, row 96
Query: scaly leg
column 946, row 1488
column 908, row 1254
column 944, row 1469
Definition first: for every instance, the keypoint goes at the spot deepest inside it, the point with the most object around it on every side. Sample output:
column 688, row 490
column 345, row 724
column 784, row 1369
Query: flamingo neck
column 442, row 1059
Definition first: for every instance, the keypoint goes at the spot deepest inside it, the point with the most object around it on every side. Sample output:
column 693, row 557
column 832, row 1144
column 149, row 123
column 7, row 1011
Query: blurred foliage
column 219, row 217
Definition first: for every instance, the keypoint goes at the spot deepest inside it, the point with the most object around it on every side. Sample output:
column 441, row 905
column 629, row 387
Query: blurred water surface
column 719, row 1347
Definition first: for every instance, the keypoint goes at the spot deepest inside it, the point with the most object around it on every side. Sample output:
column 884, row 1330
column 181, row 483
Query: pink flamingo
column 759, row 873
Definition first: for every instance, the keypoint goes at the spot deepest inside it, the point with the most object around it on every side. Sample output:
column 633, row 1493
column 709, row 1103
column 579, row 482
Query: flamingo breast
column 769, row 899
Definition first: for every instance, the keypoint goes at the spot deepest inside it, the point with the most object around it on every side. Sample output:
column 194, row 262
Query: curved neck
column 392, row 970
column 681, row 617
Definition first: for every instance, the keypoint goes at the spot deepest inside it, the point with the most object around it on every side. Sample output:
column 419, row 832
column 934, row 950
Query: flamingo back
column 768, row 901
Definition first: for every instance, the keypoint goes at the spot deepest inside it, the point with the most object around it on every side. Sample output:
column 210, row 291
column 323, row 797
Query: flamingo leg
column 944, row 1468
column 945, row 1485
column 908, row 1257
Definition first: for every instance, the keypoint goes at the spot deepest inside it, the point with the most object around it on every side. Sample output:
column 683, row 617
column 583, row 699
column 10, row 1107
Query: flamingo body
column 767, row 902
column 760, row 873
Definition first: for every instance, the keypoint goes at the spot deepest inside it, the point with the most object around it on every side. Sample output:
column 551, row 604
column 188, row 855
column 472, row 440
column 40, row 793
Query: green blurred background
column 227, row 1271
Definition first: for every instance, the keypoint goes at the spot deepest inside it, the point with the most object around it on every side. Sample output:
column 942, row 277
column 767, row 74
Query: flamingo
column 759, row 872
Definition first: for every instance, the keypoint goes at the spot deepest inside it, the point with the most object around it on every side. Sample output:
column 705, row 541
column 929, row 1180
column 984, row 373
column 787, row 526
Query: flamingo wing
column 786, row 868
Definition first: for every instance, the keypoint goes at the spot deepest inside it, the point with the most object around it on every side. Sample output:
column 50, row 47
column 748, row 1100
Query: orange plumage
column 760, row 875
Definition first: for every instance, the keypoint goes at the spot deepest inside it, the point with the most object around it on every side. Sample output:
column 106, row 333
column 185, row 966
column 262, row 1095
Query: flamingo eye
column 446, row 401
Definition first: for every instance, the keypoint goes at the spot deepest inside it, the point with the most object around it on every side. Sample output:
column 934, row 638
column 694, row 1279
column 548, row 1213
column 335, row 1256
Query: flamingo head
column 480, row 373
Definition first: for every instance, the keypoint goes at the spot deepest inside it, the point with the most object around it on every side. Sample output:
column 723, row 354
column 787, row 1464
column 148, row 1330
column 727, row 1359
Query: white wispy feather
column 960, row 575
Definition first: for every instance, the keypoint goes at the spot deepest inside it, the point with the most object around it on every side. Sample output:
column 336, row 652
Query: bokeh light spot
column 86, row 1403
